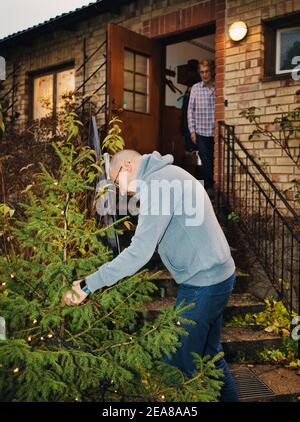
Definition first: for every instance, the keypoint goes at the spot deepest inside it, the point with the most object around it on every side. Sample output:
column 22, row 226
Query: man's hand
column 75, row 296
column 193, row 137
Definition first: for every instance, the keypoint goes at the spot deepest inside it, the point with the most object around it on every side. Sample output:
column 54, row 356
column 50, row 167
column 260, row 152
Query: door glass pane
column 141, row 103
column 65, row 86
column 141, row 64
column 128, row 100
column 128, row 80
column 141, row 84
column 136, row 82
column 128, row 60
column 42, row 96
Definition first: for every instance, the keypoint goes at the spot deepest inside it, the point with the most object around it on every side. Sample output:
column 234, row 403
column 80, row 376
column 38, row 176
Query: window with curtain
column 48, row 91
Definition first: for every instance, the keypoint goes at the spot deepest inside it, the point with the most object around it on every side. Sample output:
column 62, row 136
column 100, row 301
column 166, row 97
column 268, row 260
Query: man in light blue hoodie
column 177, row 216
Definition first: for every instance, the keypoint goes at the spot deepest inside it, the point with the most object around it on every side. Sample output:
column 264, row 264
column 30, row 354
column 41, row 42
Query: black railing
column 271, row 224
column 101, row 51
column 9, row 99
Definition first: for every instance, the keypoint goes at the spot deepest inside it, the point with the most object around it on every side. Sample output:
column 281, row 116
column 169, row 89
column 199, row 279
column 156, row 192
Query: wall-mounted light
column 238, row 31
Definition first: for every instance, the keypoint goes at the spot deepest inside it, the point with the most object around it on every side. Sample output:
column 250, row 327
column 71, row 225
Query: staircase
column 255, row 381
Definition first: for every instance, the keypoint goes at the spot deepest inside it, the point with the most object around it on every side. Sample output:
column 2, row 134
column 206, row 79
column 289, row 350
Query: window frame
column 278, row 50
column 51, row 70
column 270, row 28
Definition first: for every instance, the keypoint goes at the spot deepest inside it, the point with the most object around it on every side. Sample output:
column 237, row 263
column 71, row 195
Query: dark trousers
column 205, row 145
column 204, row 337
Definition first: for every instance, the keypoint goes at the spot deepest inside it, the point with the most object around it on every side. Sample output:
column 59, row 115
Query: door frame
column 205, row 29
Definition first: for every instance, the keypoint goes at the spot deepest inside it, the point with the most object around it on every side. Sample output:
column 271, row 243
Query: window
column 287, row 47
column 136, row 82
column 281, row 45
column 48, row 91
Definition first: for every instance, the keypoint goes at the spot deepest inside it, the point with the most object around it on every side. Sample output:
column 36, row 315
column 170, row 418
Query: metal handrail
column 260, row 170
column 274, row 238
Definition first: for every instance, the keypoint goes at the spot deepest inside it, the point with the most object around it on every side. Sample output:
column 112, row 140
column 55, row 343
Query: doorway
column 182, row 57
column 147, row 80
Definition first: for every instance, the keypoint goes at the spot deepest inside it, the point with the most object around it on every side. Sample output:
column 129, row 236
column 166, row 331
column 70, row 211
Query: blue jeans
column 204, row 337
column 205, row 146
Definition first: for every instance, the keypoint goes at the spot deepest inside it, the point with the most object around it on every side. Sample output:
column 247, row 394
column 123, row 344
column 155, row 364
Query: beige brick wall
column 243, row 87
column 62, row 46
column 242, row 66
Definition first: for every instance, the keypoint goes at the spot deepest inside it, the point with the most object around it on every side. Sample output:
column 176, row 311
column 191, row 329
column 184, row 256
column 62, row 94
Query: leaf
column 285, row 332
column 270, row 329
column 128, row 225
column 28, row 187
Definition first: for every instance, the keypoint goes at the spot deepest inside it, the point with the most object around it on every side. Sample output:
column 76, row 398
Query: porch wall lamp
column 238, row 31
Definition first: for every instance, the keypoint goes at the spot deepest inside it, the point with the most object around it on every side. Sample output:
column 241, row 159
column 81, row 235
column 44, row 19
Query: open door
column 135, row 87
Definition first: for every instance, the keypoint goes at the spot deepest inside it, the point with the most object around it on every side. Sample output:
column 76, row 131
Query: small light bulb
column 178, row 322
column 50, row 335
column 3, row 284
column 12, row 275
column 42, row 338
column 56, row 182
column 29, row 338
column 34, row 321
column 16, row 370
column 162, row 397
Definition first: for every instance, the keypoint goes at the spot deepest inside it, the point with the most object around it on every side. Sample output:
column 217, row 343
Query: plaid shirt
column 201, row 110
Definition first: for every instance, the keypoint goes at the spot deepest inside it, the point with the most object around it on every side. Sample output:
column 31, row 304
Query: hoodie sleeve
column 148, row 233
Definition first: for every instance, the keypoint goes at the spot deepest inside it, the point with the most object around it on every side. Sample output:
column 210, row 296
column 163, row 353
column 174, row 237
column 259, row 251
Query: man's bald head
column 124, row 155
column 127, row 162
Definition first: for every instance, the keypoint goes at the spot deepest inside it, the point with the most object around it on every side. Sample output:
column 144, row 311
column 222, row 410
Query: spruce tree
column 105, row 349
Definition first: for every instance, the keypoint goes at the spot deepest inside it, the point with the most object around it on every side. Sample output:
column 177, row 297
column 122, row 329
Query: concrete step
column 266, row 383
column 244, row 342
column 241, row 304
column 168, row 286
column 242, row 282
column 238, row 305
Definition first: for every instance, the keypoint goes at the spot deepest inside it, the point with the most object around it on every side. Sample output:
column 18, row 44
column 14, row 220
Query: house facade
column 122, row 53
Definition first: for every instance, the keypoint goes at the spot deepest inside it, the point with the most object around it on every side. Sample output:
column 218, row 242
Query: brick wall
column 244, row 88
column 159, row 17
column 239, row 65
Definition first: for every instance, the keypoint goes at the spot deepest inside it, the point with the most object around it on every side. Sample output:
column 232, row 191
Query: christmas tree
column 105, row 349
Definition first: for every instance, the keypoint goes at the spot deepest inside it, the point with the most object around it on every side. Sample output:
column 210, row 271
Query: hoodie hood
column 151, row 163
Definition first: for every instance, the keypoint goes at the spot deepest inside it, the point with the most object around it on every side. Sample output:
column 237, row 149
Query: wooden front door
column 135, row 87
